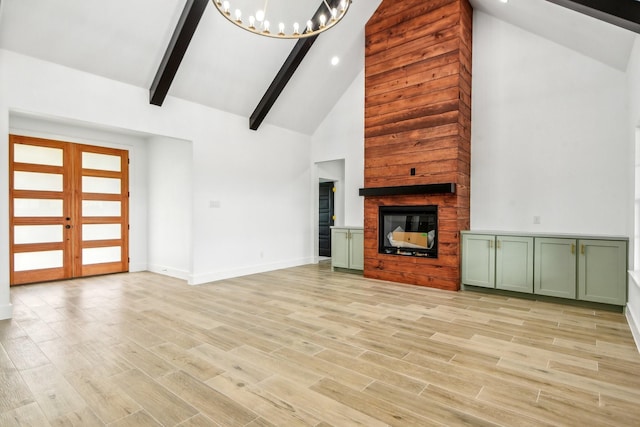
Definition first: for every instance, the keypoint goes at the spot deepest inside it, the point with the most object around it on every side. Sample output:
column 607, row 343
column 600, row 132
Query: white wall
column 260, row 183
column 169, row 204
column 633, row 84
column 6, row 309
column 341, row 137
column 549, row 136
column 261, row 179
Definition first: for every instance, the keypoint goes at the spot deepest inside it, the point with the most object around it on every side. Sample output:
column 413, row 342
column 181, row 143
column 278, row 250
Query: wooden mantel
column 418, row 128
column 403, row 190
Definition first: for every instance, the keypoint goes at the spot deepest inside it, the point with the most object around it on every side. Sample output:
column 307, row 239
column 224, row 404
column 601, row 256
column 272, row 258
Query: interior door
column 325, row 216
column 69, row 210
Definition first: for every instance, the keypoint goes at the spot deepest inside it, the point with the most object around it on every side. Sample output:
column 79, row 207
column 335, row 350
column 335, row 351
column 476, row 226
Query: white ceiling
column 230, row 69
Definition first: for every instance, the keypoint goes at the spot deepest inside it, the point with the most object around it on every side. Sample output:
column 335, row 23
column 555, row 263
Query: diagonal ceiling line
column 622, row 13
column 187, row 24
column 287, row 70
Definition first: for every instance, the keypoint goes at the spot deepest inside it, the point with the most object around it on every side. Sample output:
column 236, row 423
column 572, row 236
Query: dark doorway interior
column 325, row 221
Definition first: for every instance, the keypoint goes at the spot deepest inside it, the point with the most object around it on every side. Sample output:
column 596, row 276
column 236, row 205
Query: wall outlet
column 536, row 219
column 215, row 203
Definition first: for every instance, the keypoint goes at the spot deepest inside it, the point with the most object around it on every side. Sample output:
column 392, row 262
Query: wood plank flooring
column 307, row 346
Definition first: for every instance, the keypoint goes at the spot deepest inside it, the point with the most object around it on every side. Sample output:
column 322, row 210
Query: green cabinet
column 566, row 266
column 356, row 250
column 340, row 247
column 514, row 263
column 478, row 260
column 555, row 267
column 347, row 248
column 502, row 262
column 602, row 271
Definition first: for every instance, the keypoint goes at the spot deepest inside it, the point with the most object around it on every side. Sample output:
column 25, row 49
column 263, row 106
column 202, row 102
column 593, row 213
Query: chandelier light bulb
column 325, row 18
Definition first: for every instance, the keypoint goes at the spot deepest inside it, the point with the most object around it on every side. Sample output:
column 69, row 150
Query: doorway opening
column 326, row 217
column 69, row 210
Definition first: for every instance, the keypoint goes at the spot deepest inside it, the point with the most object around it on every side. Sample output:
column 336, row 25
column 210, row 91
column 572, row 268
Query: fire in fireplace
column 408, row 230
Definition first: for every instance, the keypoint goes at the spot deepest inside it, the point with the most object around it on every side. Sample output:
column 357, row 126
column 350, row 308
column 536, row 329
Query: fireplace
column 408, row 231
column 437, row 212
column 417, row 147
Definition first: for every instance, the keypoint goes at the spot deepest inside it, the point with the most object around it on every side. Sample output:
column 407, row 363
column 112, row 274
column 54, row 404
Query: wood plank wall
column 418, row 115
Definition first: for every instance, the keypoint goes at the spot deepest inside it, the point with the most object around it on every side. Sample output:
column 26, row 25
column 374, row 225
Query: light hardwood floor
column 305, row 346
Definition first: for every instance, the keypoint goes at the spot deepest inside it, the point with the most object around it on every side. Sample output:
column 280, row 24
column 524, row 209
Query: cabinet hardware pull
column 573, row 249
column 490, row 243
column 498, row 244
column 582, row 249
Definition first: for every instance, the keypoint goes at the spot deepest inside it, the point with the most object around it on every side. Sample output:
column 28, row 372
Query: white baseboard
column 6, row 311
column 632, row 310
column 168, row 271
column 200, row 279
column 634, row 325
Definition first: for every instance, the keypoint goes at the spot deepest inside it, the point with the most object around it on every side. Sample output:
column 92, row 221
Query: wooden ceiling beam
column 622, row 13
column 187, row 24
column 287, row 70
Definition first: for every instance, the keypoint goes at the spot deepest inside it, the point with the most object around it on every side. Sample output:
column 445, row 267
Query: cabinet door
column 340, row 247
column 514, row 263
column 478, row 260
column 555, row 267
column 602, row 271
column 356, row 250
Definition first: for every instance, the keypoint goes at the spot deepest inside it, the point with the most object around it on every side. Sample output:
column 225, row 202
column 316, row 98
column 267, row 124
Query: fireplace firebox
column 408, row 230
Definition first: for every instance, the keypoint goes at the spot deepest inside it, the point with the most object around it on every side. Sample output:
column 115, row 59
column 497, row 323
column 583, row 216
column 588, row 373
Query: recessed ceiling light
column 335, row 61
column 504, row 1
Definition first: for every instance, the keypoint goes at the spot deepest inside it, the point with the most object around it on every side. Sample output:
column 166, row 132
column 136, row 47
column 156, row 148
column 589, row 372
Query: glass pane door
column 40, row 205
column 69, row 210
column 102, row 212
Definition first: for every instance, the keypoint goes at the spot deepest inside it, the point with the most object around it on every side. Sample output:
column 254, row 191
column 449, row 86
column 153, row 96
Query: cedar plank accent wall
column 418, row 115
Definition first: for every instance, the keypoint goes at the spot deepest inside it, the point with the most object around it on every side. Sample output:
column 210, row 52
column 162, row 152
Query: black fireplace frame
column 430, row 212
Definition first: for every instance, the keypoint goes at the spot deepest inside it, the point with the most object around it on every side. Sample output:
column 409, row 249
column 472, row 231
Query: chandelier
column 328, row 15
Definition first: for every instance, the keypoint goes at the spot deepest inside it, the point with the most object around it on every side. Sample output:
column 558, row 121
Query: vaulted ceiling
column 230, row 69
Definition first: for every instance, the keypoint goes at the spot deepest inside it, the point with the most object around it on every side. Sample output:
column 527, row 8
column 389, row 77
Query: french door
column 69, row 210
